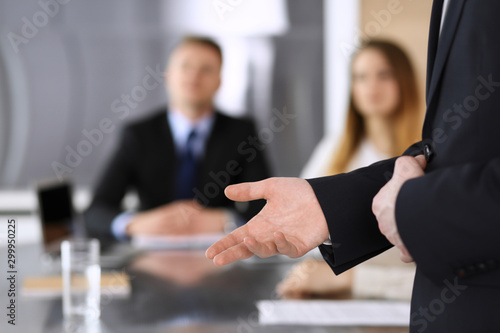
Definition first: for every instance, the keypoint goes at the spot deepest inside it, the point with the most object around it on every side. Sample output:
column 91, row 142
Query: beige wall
column 403, row 21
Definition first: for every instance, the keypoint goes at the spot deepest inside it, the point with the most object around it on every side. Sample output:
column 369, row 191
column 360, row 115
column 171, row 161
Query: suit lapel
column 438, row 61
column 166, row 156
column 214, row 144
column 437, row 8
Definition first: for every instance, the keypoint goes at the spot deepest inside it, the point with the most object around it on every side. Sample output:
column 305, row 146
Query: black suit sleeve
column 112, row 186
column 346, row 201
column 455, row 212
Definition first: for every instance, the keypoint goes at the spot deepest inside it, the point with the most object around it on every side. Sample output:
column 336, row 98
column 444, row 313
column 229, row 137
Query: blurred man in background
column 180, row 159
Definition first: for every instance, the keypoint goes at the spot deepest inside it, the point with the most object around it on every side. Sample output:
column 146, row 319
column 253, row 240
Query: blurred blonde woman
column 383, row 119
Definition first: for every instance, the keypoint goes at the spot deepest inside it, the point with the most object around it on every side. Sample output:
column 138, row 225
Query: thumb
column 247, row 191
column 421, row 161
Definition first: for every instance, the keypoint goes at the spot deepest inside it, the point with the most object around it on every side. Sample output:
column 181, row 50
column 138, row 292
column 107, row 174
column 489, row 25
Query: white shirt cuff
column 328, row 241
column 119, row 225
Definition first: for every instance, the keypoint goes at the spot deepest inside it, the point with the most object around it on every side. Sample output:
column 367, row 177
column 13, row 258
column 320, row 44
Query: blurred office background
column 68, row 65
column 63, row 67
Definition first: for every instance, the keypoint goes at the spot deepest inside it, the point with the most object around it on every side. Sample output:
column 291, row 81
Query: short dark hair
column 201, row 40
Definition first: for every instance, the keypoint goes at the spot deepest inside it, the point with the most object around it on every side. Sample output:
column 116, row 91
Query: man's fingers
column 404, row 255
column 408, row 167
column 247, row 191
column 263, row 250
column 284, row 246
column 226, row 242
column 421, row 161
column 405, row 258
column 232, row 254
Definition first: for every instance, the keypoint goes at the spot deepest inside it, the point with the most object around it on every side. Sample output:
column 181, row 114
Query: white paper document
column 334, row 313
column 202, row 241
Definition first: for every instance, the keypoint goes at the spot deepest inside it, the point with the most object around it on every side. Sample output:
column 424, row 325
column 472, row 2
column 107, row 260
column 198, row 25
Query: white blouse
column 321, row 158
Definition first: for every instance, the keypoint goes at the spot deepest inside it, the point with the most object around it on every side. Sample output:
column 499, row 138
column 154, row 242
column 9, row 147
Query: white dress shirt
column 181, row 126
column 446, row 3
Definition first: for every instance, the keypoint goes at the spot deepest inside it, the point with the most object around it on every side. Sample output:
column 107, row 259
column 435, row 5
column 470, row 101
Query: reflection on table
column 175, row 291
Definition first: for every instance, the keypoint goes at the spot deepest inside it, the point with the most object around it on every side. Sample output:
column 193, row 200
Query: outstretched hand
column 291, row 223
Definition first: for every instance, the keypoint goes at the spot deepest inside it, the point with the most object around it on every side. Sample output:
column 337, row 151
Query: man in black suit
column 180, row 159
column 439, row 204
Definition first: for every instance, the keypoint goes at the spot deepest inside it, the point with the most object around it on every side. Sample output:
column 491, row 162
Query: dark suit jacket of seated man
column 146, row 162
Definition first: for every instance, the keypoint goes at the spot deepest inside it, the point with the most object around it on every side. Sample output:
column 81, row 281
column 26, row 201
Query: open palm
column 291, row 223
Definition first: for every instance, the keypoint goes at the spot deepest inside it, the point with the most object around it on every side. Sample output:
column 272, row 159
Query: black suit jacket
column 449, row 219
column 145, row 161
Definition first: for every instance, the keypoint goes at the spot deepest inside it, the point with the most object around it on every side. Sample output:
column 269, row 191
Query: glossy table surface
column 174, row 291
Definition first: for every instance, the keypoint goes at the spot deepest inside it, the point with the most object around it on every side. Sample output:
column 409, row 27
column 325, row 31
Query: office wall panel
column 65, row 67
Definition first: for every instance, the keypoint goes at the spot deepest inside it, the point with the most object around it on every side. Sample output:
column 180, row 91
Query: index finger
column 235, row 253
column 234, row 238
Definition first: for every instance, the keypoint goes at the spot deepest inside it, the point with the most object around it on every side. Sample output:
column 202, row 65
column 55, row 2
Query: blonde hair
column 406, row 118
